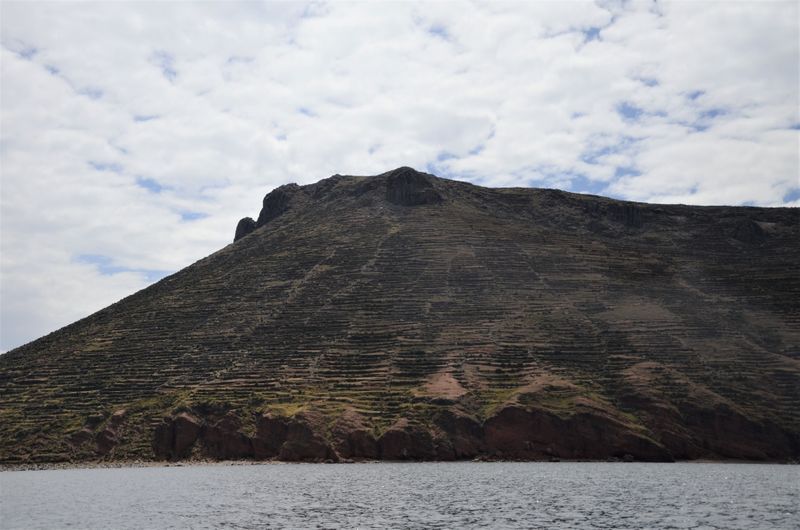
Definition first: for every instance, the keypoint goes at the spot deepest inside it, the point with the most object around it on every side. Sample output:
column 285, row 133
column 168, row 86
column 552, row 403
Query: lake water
column 408, row 495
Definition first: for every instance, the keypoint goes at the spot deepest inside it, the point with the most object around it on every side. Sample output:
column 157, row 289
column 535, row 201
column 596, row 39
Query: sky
column 133, row 136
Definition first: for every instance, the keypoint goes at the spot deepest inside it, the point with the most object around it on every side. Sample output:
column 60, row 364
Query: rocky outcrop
column 461, row 436
column 694, row 430
column 537, row 434
column 513, row 433
column 223, row 440
column 748, row 231
column 245, row 226
column 297, row 438
column 353, row 438
column 406, row 441
column 276, row 202
column 626, row 213
column 408, row 187
column 174, row 438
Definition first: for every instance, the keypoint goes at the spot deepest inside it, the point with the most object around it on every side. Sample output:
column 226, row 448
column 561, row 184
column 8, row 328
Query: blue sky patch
column 444, row 155
column 792, row 195
column 710, row 114
column 166, row 63
column 695, row 94
column 192, row 216
column 150, row 185
column 593, row 155
column 439, row 31
column 105, row 266
column 629, row 111
column 28, row 52
column 145, row 117
column 113, row 167
column 591, row 34
column 581, row 184
column 626, row 171
column 440, row 170
column 91, row 92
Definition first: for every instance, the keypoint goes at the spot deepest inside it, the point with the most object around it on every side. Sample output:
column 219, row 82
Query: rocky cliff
column 404, row 316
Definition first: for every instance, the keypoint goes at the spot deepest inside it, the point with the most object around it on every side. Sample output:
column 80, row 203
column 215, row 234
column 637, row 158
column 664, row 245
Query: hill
column 405, row 316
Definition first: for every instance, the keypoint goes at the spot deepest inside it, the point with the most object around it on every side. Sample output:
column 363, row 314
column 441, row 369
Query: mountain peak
column 403, row 186
column 405, row 316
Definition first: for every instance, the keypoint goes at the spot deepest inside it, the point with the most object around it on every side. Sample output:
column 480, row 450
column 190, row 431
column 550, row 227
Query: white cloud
column 123, row 121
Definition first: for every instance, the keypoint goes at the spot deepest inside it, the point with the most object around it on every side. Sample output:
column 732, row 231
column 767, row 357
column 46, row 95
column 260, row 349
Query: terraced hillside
column 405, row 316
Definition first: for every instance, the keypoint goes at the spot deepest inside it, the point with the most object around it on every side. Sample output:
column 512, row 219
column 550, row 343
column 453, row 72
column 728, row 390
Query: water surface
column 409, row 495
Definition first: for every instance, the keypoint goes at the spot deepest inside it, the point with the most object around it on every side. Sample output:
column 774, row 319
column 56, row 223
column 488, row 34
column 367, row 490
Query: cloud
column 135, row 135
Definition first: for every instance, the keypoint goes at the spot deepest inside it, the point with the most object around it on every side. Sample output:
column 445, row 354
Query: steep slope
column 407, row 316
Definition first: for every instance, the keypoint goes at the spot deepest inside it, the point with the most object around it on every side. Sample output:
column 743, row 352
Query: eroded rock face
column 353, row 438
column 514, row 432
column 406, row 441
column 297, row 438
column 748, row 231
column 304, row 444
column 276, row 202
column 105, row 437
column 715, row 430
column 535, row 434
column 626, row 213
column 461, row 436
column 244, row 227
column 173, row 439
column 223, row 440
column 271, row 433
column 408, row 187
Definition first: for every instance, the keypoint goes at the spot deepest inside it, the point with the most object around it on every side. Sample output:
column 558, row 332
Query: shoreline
column 131, row 464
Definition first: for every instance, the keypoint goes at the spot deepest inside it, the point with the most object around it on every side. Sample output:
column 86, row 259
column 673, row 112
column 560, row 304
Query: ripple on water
column 424, row 495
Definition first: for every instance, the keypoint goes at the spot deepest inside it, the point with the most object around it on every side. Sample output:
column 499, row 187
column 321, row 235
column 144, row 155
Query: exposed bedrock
column 748, row 231
column 353, row 438
column 245, row 226
column 690, row 431
column 626, row 213
column 517, row 433
column 289, row 439
column 512, row 433
column 408, row 187
column 174, row 437
column 276, row 202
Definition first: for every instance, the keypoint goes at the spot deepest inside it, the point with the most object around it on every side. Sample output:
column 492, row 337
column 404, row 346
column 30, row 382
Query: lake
column 407, row 495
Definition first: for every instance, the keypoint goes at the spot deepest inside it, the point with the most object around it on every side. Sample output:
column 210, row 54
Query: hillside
column 405, row 316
